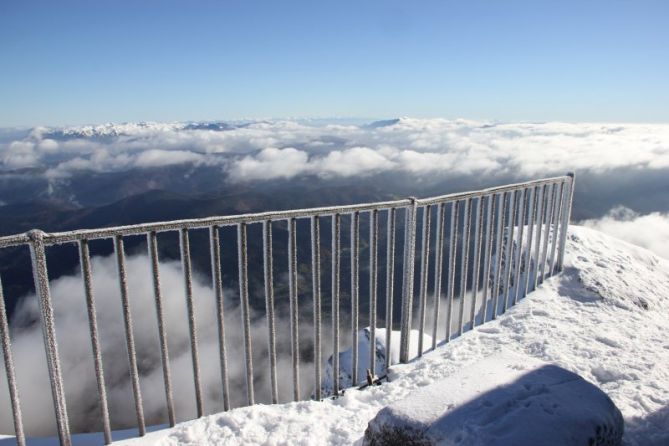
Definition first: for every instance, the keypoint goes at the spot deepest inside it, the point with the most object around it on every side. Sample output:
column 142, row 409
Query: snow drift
column 504, row 399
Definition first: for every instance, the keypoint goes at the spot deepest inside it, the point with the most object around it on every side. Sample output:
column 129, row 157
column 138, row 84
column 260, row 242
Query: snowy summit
column 603, row 318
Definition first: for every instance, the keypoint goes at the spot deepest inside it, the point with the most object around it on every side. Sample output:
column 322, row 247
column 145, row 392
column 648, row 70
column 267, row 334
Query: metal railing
column 496, row 246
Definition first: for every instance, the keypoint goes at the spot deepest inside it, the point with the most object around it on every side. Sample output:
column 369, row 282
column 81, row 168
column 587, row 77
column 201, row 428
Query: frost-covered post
column 566, row 216
column 245, row 309
column 129, row 333
column 87, row 274
column 11, row 373
column 407, row 289
column 41, row 278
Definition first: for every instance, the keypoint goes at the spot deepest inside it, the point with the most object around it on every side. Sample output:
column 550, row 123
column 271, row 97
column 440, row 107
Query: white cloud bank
column 286, row 149
column 74, row 347
column 650, row 231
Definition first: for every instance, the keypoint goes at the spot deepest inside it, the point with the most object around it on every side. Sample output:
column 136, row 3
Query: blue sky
column 76, row 62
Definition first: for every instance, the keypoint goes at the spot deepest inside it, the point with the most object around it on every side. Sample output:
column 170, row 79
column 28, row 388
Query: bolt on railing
column 497, row 244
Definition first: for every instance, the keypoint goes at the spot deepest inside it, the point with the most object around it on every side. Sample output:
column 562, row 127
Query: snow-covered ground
column 604, row 318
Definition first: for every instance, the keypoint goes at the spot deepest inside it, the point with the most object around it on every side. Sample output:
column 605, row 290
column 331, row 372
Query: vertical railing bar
column 438, row 267
column 408, row 280
column 501, row 222
column 405, row 266
column 513, row 204
column 41, row 278
column 336, row 218
column 452, row 250
column 269, row 306
column 532, row 200
column 464, row 266
column 557, row 216
column 355, row 293
column 217, row 278
column 478, row 236
column 546, row 235
column 522, row 208
column 551, row 227
column 373, row 284
column 152, row 244
column 11, row 375
column 316, row 288
column 192, row 323
column 390, row 282
column 490, row 215
column 245, row 311
column 539, row 224
column 565, row 221
column 294, row 306
column 86, row 273
column 424, row 265
column 129, row 336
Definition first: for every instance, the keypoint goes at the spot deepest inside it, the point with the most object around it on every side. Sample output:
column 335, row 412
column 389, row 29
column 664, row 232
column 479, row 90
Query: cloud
column 351, row 162
column 77, row 360
column 156, row 158
column 19, row 154
column 270, row 163
column 650, row 231
column 257, row 150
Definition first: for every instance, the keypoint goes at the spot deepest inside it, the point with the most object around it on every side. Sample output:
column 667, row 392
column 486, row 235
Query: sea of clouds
column 606, row 154
column 259, row 151
column 287, row 149
column 650, row 231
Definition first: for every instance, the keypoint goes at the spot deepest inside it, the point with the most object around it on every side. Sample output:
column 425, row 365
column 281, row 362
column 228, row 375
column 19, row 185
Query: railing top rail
column 199, row 223
column 491, row 190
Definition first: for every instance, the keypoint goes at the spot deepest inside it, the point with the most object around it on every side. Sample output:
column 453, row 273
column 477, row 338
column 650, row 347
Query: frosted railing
column 525, row 222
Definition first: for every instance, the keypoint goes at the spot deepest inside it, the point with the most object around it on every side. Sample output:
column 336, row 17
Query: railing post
column 424, row 265
column 41, row 278
column 192, row 324
column 373, row 284
column 217, row 278
column 532, row 213
column 316, row 287
column 269, row 304
column 566, row 216
column 508, row 256
column 390, row 282
column 407, row 289
column 87, row 274
column 464, row 265
column 355, row 293
column 501, row 223
column 129, row 333
column 336, row 247
column 541, row 202
column 438, row 269
column 557, row 217
column 11, row 373
column 452, row 252
column 487, row 263
column 294, row 306
column 162, row 332
column 522, row 207
column 478, row 239
column 245, row 310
